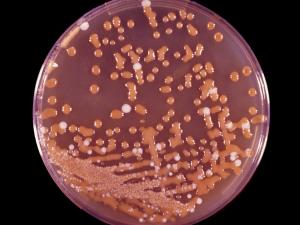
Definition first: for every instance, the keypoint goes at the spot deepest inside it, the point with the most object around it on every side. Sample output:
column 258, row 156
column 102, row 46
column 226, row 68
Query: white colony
column 103, row 150
column 126, row 108
column 206, row 111
column 140, row 151
column 158, row 146
column 84, row 26
column 134, row 150
column 86, row 142
column 146, row 3
column 137, row 66
column 215, row 155
column 63, row 125
column 199, row 201
column 54, row 65
column 246, row 125
column 44, row 130
column 209, row 173
column 237, row 163
column 248, row 152
column 177, row 157
column 229, row 125
column 200, row 177
column 213, row 91
column 89, row 152
column 233, row 156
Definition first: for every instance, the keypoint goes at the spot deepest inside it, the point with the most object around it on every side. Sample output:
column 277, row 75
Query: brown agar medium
column 151, row 112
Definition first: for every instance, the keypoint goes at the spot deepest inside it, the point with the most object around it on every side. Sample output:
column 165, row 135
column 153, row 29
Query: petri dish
column 151, row 112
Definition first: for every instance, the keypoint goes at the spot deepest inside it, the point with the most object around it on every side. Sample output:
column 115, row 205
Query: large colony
column 153, row 181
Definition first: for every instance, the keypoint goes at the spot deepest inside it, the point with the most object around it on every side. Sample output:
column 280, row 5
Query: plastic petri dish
column 151, row 112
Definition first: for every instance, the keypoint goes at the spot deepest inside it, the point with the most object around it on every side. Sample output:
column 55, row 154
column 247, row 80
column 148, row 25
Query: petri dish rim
column 112, row 7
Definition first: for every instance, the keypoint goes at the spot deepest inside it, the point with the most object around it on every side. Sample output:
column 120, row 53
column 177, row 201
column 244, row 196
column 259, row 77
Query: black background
column 40, row 25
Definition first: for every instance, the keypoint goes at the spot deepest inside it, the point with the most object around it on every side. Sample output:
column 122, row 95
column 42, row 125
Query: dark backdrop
column 39, row 199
